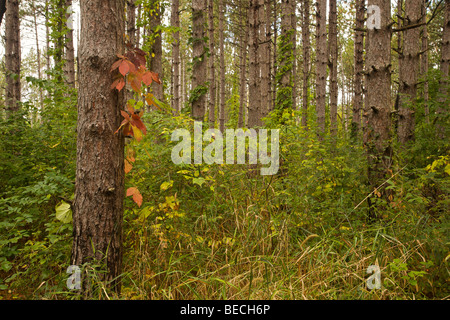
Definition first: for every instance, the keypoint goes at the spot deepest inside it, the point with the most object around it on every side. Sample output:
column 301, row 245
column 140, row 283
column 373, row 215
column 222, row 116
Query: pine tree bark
column 306, row 60
column 12, row 56
column 243, row 65
column 333, row 66
column 156, row 58
column 131, row 22
column 175, row 22
column 444, row 88
column 424, row 61
column 99, row 184
column 198, row 93
column 70, row 51
column 254, row 89
column 264, row 59
column 378, row 103
column 359, row 68
column 321, row 63
column 222, row 67
column 409, row 73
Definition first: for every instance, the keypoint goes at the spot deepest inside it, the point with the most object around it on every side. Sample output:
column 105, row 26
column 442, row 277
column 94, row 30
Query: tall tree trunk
column 131, row 22
column 268, row 61
column 306, row 60
column 222, row 67
column 243, row 63
column 378, row 103
column 359, row 68
column 294, row 52
column 198, row 93
column 264, row 59
column 333, row 66
column 156, row 57
column 444, row 88
column 12, row 56
column 254, row 91
column 212, row 70
column 99, row 184
column 321, row 63
column 47, row 36
column 424, row 61
column 70, row 51
column 175, row 22
column 410, row 70
column 38, row 52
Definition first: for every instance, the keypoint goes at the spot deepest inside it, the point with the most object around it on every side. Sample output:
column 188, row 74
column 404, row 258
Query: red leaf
column 124, row 67
column 116, row 65
column 147, row 78
column 120, row 85
column 128, row 166
column 137, row 122
column 137, row 197
column 155, row 77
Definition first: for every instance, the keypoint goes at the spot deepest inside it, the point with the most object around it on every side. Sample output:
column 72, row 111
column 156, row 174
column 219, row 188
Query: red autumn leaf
column 115, row 83
column 137, row 197
column 120, row 85
column 155, row 77
column 130, row 109
column 116, row 65
column 149, row 99
column 137, row 122
column 136, row 84
column 147, row 78
column 125, row 115
column 124, row 67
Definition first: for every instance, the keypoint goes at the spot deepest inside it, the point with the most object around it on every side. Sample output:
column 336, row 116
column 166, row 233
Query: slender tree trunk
column 131, row 22
column 359, row 68
column 306, row 61
column 294, row 52
column 333, row 66
column 38, row 52
column 47, row 38
column 243, row 63
column 70, row 51
column 212, row 70
column 99, row 184
column 444, row 88
column 254, row 91
column 175, row 22
column 198, row 93
column 410, row 70
column 321, row 63
column 264, row 60
column 156, row 59
column 268, row 58
column 275, row 53
column 222, row 67
column 378, row 103
column 424, row 61
column 12, row 56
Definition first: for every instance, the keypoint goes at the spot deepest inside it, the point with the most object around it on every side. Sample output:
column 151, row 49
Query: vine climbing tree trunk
column 99, row 184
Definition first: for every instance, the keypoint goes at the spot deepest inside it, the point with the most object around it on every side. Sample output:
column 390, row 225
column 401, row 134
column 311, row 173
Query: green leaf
column 166, row 185
column 199, row 181
column 63, row 212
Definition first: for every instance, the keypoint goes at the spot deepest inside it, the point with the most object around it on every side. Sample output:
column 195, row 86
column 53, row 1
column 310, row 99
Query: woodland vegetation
column 91, row 92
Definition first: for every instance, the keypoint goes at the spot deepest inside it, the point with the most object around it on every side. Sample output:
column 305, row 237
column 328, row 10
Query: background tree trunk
column 410, row 69
column 333, row 53
column 12, row 56
column 264, row 59
column 445, row 63
column 175, row 22
column 70, row 51
column 359, row 68
column 198, row 93
column 222, row 67
column 424, row 61
column 131, row 22
column 99, row 185
column 254, row 91
column 156, row 59
column 306, row 60
column 378, row 104
column 243, row 63
column 321, row 63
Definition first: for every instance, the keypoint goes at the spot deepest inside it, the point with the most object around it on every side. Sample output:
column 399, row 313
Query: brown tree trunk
column 131, row 22
column 378, row 103
column 321, row 63
column 222, row 67
column 70, row 51
column 12, row 56
column 444, row 88
column 410, row 70
column 243, row 63
column 254, row 91
column 175, row 22
column 264, row 60
column 156, row 59
column 424, row 61
column 306, row 61
column 198, row 93
column 359, row 68
column 99, row 184
column 38, row 51
column 333, row 66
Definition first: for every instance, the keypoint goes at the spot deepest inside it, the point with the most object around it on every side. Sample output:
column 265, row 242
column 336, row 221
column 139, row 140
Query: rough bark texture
column 70, row 51
column 254, row 90
column 131, row 22
column 12, row 56
column 359, row 68
column 306, row 61
column 243, row 65
column 222, row 67
column 424, row 60
column 198, row 94
column 333, row 66
column 156, row 60
column 378, row 102
column 444, row 88
column 410, row 70
column 175, row 22
column 264, row 57
column 99, row 185
column 321, row 63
